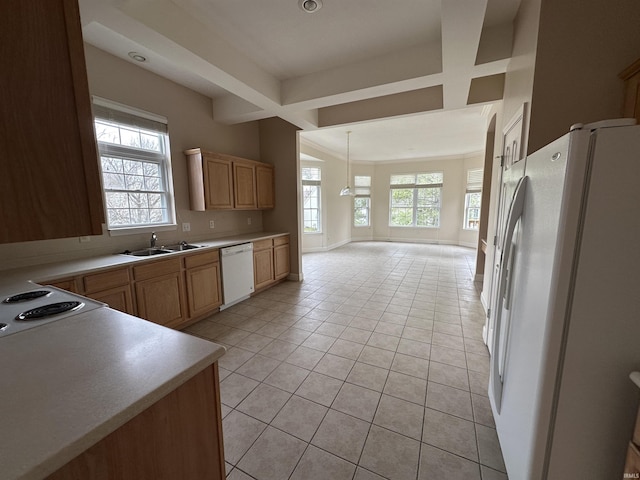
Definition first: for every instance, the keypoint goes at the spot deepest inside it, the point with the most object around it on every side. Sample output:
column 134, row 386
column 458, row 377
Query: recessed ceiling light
column 310, row 6
column 137, row 57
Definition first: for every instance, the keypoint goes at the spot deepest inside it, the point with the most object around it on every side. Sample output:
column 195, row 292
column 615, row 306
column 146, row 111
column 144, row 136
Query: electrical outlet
column 212, row 224
column 186, row 227
column 248, row 220
column 85, row 239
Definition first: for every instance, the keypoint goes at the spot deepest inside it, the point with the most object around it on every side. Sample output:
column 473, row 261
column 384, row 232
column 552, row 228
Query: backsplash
column 227, row 223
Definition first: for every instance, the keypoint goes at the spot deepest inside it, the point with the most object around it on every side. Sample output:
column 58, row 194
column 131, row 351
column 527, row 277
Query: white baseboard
column 467, row 244
column 295, row 277
column 409, row 240
column 327, row 248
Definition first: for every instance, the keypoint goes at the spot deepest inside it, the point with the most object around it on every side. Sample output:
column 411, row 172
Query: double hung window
column 415, row 199
column 311, row 177
column 135, row 166
column 362, row 201
column 472, row 199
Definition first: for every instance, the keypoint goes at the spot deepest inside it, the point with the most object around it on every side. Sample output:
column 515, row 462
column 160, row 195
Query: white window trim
column 361, row 195
column 171, row 224
column 316, row 183
column 474, row 185
column 415, row 188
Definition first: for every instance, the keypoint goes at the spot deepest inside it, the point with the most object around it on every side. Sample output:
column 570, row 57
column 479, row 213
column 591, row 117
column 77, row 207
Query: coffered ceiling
column 413, row 65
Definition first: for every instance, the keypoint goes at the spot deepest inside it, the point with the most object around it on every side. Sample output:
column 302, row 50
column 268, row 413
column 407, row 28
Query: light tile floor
column 373, row 367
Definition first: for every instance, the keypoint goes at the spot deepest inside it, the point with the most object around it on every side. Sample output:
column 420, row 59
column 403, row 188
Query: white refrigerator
column 567, row 329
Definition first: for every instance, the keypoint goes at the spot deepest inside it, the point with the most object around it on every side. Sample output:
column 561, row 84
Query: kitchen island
column 103, row 394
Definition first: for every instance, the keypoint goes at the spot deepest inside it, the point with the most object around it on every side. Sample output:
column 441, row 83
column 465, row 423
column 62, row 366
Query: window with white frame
column 135, row 166
column 311, row 177
column 414, row 199
column 362, row 201
column 472, row 199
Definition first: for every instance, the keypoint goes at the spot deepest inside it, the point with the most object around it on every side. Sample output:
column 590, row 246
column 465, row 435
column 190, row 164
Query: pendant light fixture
column 346, row 191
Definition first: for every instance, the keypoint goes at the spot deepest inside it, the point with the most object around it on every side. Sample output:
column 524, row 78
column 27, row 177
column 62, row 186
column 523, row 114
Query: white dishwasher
column 237, row 273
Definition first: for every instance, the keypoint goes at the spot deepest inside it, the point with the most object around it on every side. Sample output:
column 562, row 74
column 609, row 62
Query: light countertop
column 67, row 384
column 13, row 281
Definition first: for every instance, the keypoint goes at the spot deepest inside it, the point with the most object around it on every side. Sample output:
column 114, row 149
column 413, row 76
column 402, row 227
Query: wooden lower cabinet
column 281, row 263
column 160, row 292
column 270, row 261
column 68, row 284
column 112, row 287
column 118, row 298
column 178, row 437
column 204, row 292
column 263, row 274
column 160, row 299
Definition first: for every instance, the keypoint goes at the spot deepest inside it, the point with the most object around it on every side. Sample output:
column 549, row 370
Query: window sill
column 413, row 226
column 117, row 232
column 312, row 233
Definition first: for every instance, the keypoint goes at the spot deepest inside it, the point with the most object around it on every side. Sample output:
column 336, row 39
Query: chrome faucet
column 154, row 237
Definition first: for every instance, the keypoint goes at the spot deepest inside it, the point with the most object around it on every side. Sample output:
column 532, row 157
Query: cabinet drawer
column 106, row 280
column 156, row 269
column 198, row 259
column 284, row 240
column 68, row 284
column 262, row 244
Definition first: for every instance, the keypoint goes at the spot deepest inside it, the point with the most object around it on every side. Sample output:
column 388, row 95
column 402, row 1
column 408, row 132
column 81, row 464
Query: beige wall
column 335, row 210
column 191, row 125
column 566, row 58
column 279, row 146
column 582, row 46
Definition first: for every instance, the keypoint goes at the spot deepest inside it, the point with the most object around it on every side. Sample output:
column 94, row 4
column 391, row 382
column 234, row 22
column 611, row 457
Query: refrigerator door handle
column 515, row 212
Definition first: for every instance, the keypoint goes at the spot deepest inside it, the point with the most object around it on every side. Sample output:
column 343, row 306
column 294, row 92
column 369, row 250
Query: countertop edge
column 41, row 274
column 48, row 457
column 80, row 445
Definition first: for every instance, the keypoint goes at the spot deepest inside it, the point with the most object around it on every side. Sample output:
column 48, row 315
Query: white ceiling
column 397, row 73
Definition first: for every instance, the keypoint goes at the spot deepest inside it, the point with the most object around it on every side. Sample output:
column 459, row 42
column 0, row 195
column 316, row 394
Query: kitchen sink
column 147, row 252
column 178, row 247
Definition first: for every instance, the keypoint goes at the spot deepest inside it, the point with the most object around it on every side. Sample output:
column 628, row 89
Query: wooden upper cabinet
column 50, row 184
column 631, row 77
column 244, row 186
column 220, row 181
column 265, row 188
column 218, row 186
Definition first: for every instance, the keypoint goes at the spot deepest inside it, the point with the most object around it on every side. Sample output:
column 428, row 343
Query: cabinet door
column 244, row 186
column 178, row 437
column 281, row 261
column 203, row 289
column 265, row 187
column 68, row 284
column 160, row 299
column 118, row 298
column 263, row 268
column 218, row 183
column 50, row 184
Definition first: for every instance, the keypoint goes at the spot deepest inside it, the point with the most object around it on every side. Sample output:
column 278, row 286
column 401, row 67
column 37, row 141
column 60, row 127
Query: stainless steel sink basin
column 147, row 252
column 180, row 247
